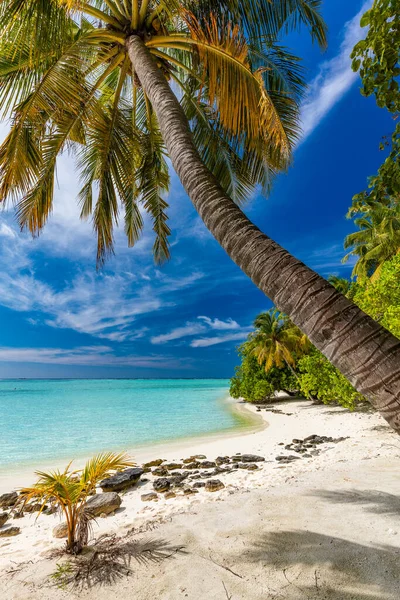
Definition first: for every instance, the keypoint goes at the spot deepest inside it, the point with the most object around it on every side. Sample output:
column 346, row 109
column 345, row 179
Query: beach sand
column 326, row 527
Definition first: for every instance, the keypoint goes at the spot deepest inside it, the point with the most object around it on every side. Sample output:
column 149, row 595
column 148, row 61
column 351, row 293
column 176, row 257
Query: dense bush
column 252, row 383
column 320, row 379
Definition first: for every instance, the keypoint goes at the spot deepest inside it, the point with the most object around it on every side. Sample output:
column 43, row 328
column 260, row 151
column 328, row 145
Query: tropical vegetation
column 69, row 490
column 125, row 84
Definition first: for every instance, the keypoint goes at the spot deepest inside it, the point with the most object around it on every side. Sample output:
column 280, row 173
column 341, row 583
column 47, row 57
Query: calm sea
column 46, row 419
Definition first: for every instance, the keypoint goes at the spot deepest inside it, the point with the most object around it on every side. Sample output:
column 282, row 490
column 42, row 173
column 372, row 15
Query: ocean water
column 42, row 420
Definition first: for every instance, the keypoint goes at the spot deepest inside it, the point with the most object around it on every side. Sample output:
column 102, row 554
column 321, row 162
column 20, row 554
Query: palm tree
column 341, row 284
column 378, row 237
column 126, row 83
column 69, row 491
column 276, row 342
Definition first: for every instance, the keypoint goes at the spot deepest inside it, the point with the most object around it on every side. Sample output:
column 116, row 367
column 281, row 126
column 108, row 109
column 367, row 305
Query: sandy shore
column 325, row 527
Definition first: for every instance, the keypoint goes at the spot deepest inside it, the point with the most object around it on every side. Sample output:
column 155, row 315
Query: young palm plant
column 126, row 83
column 69, row 491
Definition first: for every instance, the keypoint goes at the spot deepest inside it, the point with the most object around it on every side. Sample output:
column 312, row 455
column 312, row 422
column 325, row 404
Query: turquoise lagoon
column 51, row 419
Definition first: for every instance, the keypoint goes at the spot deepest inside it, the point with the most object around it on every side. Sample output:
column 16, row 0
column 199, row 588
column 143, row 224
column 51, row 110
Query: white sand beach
column 323, row 527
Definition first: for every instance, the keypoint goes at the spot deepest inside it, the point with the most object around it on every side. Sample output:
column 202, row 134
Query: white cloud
column 179, row 332
column 102, row 305
column 6, row 231
column 221, row 339
column 334, row 79
column 194, row 328
column 88, row 355
column 217, row 324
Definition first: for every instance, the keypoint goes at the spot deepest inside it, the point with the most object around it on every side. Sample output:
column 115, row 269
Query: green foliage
column 68, row 84
column 381, row 298
column 320, row 379
column 253, row 383
column 61, row 574
column 377, row 59
column 378, row 237
column 69, row 490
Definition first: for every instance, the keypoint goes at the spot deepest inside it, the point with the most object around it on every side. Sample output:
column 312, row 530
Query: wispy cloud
column 179, row 332
column 334, row 79
column 194, row 328
column 102, row 305
column 218, row 324
column 221, row 339
column 89, row 355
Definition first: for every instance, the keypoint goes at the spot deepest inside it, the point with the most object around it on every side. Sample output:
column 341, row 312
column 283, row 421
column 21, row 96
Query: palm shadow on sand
column 316, row 566
column 109, row 559
column 372, row 501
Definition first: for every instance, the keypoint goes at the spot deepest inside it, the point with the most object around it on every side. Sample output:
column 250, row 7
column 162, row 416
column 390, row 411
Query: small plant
column 69, row 490
column 62, row 574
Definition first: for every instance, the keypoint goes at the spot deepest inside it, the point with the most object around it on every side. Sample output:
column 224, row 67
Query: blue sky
column 61, row 318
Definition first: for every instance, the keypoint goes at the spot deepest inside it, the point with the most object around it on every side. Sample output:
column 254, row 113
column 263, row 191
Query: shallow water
column 70, row 418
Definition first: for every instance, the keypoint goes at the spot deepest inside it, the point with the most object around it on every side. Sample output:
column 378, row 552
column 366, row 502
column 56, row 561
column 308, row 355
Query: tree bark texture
column 366, row 353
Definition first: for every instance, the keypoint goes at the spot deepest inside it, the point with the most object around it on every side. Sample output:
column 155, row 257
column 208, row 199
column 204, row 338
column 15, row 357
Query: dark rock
column 50, row 511
column 199, row 484
column 250, row 466
column 104, row 503
column 207, row 464
column 61, row 530
column 30, row 508
column 251, row 458
column 169, row 494
column 172, row 466
column 222, row 460
column 287, row 447
column 311, row 437
column 9, row 530
column 189, row 491
column 149, row 497
column 153, row 463
column 8, row 500
column 199, row 456
column 294, row 441
column 213, row 485
column 3, row 518
column 121, row 481
column 161, row 485
column 307, row 455
column 281, row 444
column 290, row 458
column 160, row 472
column 18, row 514
column 192, row 465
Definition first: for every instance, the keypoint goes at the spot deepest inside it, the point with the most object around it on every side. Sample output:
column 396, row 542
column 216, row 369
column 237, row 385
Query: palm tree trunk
column 366, row 353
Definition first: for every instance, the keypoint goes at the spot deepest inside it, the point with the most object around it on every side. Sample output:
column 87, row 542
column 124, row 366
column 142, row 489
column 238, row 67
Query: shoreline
column 363, row 454
column 17, row 476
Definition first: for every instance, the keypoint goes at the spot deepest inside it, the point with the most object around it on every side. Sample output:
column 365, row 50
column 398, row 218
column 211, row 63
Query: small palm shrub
column 69, row 491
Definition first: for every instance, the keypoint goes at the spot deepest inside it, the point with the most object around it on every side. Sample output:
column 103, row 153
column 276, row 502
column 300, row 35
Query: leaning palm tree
column 69, row 490
column 126, row 83
column 377, row 239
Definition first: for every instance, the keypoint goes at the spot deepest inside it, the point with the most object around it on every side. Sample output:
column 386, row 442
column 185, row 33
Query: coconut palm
column 276, row 342
column 125, row 84
column 69, row 490
column 341, row 284
column 377, row 239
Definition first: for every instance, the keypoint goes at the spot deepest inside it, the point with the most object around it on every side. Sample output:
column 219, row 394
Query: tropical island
column 285, row 487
